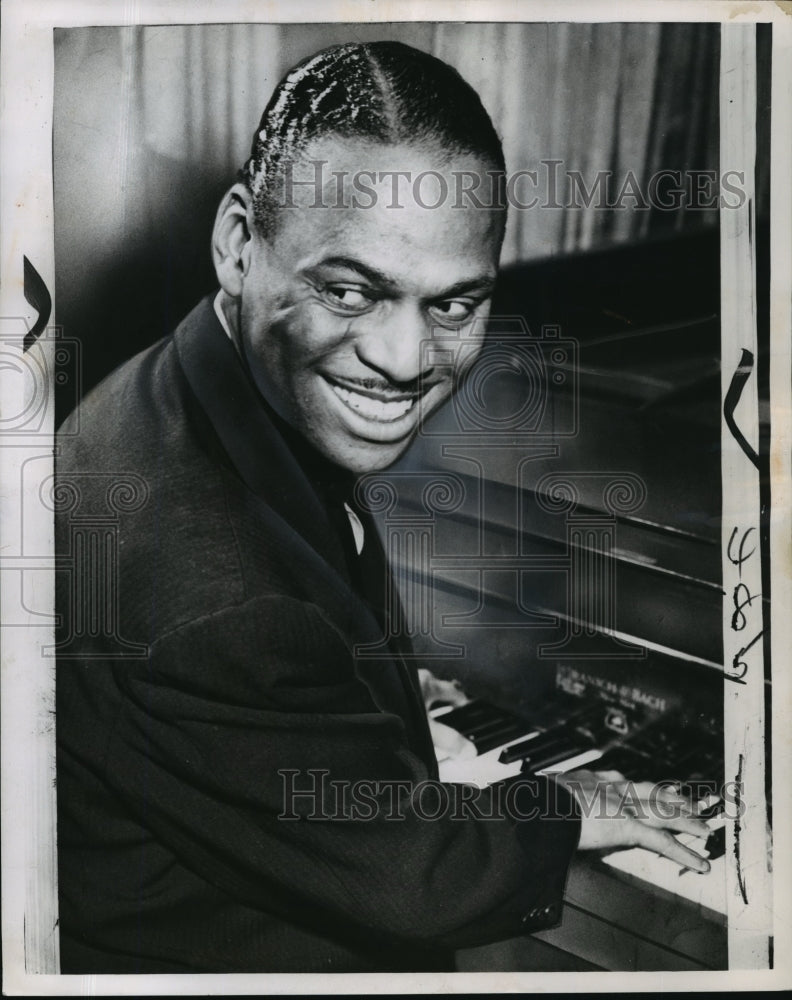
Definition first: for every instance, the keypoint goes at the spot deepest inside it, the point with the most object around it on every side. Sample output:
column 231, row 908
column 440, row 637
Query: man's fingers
column 451, row 691
column 449, row 743
column 681, row 823
column 662, row 842
column 434, row 689
column 612, row 776
column 657, row 803
column 647, row 791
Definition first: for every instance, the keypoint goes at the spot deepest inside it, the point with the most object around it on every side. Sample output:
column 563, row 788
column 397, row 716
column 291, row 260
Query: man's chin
column 361, row 458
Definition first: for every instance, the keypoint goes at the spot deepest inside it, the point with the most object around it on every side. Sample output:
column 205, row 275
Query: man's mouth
column 380, row 405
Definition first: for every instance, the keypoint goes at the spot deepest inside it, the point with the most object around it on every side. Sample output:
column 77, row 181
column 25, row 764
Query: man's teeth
column 373, row 409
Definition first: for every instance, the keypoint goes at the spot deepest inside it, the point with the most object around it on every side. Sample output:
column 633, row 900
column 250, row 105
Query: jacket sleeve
column 248, row 746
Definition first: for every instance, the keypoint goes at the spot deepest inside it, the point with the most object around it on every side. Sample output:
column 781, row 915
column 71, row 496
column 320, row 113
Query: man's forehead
column 424, row 174
column 399, row 204
column 351, row 154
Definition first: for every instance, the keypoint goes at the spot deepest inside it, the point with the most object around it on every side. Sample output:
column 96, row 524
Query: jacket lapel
column 268, row 467
column 246, row 431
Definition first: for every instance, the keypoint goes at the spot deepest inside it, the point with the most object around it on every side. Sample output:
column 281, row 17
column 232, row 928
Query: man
column 192, row 832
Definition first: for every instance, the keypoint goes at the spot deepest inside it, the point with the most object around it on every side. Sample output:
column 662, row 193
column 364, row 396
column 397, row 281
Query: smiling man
column 204, row 820
column 329, row 310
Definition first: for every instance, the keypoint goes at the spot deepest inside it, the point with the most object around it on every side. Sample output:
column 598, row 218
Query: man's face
column 336, row 305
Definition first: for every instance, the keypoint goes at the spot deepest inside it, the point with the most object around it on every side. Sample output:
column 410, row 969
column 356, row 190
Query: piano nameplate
column 584, row 684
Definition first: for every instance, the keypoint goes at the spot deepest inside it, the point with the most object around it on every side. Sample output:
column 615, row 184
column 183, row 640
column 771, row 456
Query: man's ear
column 231, row 239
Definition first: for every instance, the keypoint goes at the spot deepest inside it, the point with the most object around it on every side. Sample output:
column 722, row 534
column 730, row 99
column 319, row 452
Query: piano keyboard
column 580, row 737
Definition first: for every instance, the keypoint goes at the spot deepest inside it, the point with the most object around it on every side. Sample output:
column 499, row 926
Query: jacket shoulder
column 126, row 412
column 134, row 457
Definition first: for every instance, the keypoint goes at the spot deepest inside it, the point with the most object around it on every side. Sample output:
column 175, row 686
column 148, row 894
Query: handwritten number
column 738, row 558
column 739, row 621
column 739, row 666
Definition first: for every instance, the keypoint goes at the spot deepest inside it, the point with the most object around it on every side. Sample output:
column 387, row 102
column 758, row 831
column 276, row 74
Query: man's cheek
column 321, row 330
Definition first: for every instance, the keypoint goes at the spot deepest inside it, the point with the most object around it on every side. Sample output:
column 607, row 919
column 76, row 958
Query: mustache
column 412, row 388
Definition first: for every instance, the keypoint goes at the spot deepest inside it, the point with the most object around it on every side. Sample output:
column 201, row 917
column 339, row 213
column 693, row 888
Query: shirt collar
column 221, row 315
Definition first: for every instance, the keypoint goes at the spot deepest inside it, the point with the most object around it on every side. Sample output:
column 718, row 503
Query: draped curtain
column 624, row 98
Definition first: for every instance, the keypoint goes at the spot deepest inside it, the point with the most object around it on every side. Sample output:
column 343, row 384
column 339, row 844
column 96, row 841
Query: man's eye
column 347, row 298
column 453, row 312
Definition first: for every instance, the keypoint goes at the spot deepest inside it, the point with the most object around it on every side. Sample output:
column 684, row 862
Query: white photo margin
column 29, row 918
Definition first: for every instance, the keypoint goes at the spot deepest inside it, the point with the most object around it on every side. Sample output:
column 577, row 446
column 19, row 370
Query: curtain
column 598, row 97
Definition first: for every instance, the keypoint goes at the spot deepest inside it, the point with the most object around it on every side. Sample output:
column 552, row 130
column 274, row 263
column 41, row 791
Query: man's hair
column 383, row 91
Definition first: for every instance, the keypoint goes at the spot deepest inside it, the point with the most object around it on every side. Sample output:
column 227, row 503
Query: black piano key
column 533, row 748
column 492, row 727
column 716, row 844
column 485, row 725
column 469, row 714
column 716, row 809
column 479, row 727
column 547, row 742
column 516, row 751
column 497, row 739
column 538, row 763
column 553, row 736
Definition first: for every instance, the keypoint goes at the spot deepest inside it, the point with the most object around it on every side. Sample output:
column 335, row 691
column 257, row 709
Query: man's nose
column 394, row 344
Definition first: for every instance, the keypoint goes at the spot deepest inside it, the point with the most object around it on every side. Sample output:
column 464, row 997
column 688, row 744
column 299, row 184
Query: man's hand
column 447, row 741
column 620, row 813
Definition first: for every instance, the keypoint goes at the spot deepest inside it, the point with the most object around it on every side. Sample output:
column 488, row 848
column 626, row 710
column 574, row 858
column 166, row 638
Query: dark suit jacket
column 235, row 577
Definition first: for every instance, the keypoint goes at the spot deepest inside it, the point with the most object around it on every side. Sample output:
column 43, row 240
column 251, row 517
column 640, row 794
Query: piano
column 570, row 732
column 555, row 540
